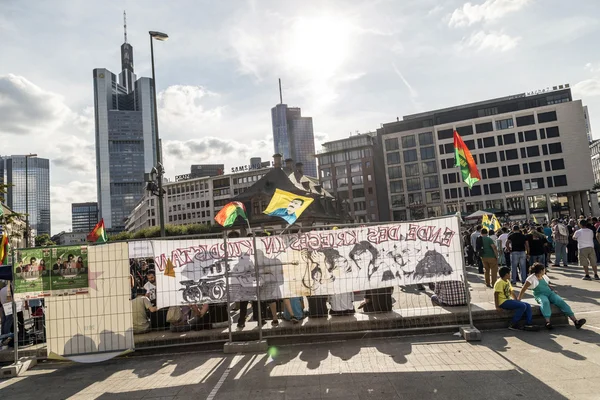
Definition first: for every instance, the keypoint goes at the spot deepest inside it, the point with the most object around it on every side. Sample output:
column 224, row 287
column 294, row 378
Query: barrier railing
column 344, row 280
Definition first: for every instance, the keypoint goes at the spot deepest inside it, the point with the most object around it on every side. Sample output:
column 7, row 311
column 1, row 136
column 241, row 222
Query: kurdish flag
column 229, row 213
column 464, row 160
column 3, row 248
column 287, row 205
column 98, row 234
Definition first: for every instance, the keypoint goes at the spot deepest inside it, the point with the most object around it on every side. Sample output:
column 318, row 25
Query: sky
column 351, row 65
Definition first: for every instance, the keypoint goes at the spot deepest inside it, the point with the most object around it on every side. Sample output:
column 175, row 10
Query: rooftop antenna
column 125, row 24
column 280, row 95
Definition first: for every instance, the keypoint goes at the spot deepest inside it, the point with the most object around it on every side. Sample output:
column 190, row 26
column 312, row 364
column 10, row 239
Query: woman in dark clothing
column 572, row 246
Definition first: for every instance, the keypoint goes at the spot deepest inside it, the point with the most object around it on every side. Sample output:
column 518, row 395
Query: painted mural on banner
column 41, row 272
column 309, row 263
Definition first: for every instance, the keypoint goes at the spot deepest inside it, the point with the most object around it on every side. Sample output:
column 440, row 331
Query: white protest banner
column 309, row 263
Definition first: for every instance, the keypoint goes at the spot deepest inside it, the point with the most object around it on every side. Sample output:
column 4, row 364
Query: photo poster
column 42, row 272
column 324, row 262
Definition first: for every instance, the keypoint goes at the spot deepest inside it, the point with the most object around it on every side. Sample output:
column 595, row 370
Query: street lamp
column 27, row 198
column 159, row 167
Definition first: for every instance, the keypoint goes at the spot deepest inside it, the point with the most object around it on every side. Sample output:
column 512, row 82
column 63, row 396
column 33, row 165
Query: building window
column 433, row 197
column 369, row 178
column 391, row 144
column 325, row 172
column 408, row 141
column 398, row 201
column 342, row 182
column 512, row 154
column 410, row 156
column 514, row 170
column 429, row 167
column 427, row 153
column 445, row 134
column 489, row 142
column 533, row 151
column 327, row 185
column 484, row 127
column 370, row 190
column 412, row 169
column 469, row 143
column 341, row 170
column 535, row 167
column 486, row 112
column 555, row 148
column 399, row 215
column 465, row 130
column 557, row 164
column 447, row 148
column 393, row 158
column 396, row 187
column 526, row 120
column 431, row 182
column 546, row 117
column 493, row 173
column 425, row 138
column 504, row 124
column 530, row 135
column 516, row 186
column 357, row 180
column 413, row 184
column 509, row 138
column 358, row 193
column 560, row 180
column 495, row 188
column 356, row 167
column 415, row 198
column 552, row 132
column 395, row 172
column 491, row 157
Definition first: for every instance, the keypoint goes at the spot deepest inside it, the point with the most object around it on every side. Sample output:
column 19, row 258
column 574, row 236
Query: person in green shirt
column 489, row 257
column 505, row 299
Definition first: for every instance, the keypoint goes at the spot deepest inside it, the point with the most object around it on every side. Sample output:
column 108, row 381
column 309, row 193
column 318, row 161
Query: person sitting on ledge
column 377, row 300
column 293, row 309
column 448, row 293
column 505, row 299
column 139, row 305
column 341, row 304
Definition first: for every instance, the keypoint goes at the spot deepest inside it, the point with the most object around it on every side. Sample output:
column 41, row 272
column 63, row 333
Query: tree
column 43, row 240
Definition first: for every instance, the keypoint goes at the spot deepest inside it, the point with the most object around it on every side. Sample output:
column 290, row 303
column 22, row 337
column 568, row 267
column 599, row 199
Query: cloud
column 490, row 41
column 202, row 149
column 593, row 68
column 61, row 197
column 490, row 10
column 587, row 88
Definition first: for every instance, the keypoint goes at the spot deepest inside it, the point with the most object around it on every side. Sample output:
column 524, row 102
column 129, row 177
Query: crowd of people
column 522, row 254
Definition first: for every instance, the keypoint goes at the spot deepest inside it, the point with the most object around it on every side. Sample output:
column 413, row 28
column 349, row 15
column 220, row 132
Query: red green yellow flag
column 98, row 234
column 229, row 213
column 464, row 160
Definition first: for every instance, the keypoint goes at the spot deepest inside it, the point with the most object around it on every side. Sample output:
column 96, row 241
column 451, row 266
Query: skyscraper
column 38, row 186
column 84, row 216
column 125, row 139
column 293, row 136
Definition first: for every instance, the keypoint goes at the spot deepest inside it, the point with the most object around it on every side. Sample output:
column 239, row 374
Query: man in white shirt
column 342, row 304
column 585, row 247
column 503, row 239
column 150, row 287
column 474, row 236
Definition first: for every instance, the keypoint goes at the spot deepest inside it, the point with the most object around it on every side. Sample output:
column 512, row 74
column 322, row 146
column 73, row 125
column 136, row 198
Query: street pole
column 159, row 165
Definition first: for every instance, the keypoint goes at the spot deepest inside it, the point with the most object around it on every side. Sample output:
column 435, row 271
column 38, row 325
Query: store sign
column 250, row 167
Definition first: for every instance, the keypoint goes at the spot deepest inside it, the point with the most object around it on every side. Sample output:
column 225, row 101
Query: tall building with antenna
column 293, row 135
column 125, row 139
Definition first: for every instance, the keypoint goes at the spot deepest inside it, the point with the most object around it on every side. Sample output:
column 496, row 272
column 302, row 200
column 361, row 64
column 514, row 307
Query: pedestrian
column 518, row 247
column 572, row 246
column 489, row 257
column 545, row 295
column 503, row 239
column 477, row 258
column 561, row 241
column 585, row 245
column 505, row 299
column 537, row 245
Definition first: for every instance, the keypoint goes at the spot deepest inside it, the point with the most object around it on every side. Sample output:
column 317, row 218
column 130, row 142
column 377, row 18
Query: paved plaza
column 560, row 364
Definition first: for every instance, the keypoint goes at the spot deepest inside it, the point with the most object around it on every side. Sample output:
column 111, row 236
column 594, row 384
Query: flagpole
column 227, row 285
column 257, row 277
column 284, row 229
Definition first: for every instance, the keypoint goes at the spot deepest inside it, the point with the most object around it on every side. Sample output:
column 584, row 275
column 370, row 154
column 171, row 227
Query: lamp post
column 159, row 167
column 27, row 198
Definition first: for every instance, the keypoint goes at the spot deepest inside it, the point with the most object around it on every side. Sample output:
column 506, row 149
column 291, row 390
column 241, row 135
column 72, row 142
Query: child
column 545, row 296
column 505, row 299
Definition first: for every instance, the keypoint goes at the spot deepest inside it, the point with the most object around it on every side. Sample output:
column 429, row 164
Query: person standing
column 572, row 246
column 503, row 239
column 560, row 234
column 518, row 246
column 585, row 245
column 477, row 259
column 489, row 257
column 537, row 242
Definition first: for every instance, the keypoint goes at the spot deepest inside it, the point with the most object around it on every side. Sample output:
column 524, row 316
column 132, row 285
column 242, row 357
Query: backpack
column 174, row 315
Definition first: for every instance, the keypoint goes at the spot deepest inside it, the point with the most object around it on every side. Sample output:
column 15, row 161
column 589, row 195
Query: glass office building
column 38, row 189
column 125, row 139
column 293, row 136
column 84, row 216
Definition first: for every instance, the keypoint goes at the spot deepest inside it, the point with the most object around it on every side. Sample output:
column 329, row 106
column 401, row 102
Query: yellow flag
column 485, row 221
column 287, row 205
column 535, row 219
column 495, row 223
column 169, row 271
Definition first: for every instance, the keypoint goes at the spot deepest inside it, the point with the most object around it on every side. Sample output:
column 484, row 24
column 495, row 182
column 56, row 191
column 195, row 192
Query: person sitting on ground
column 200, row 317
column 448, row 293
column 293, row 309
column 505, row 299
column 139, row 305
column 545, row 295
column 341, row 304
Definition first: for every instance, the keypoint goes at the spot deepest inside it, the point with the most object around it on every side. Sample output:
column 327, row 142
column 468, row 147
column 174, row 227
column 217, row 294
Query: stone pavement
column 560, row 364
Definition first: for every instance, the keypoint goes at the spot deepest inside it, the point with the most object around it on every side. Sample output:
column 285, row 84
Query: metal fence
column 344, row 280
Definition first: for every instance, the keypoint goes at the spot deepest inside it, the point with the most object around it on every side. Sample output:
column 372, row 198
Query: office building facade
column 293, row 136
column 84, row 217
column 38, row 188
column 125, row 139
column 350, row 170
column 531, row 150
